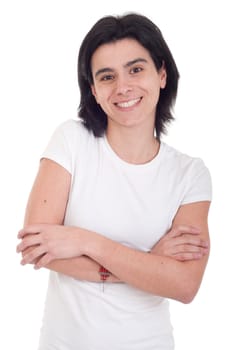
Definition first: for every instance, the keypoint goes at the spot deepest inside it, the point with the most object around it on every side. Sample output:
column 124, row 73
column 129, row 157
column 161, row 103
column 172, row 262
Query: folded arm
column 157, row 274
column 164, row 272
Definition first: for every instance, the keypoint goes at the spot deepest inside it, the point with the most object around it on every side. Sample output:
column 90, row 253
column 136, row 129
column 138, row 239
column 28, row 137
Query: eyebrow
column 136, row 60
column 128, row 64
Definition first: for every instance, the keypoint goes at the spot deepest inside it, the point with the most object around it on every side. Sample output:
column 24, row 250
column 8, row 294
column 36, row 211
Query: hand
column 181, row 243
column 28, row 250
column 42, row 243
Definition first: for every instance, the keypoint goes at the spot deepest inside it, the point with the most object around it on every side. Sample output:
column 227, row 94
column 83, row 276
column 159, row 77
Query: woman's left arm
column 159, row 275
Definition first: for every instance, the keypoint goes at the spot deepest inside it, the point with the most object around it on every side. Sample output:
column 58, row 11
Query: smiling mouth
column 128, row 103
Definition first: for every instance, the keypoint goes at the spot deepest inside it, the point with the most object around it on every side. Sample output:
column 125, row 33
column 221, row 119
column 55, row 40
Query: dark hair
column 112, row 28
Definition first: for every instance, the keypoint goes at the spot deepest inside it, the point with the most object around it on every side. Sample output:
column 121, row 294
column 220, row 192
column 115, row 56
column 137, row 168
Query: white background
column 38, row 90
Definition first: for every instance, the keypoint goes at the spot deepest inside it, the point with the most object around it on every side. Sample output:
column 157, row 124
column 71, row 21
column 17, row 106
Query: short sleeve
column 60, row 148
column 198, row 183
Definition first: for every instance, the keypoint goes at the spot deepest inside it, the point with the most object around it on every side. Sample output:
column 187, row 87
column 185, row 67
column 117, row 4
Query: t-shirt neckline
column 128, row 165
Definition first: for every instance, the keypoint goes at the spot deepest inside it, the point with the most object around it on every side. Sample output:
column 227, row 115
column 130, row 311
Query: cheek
column 101, row 100
column 155, row 90
column 102, row 96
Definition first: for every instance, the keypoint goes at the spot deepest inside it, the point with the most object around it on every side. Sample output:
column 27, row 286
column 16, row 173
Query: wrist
column 84, row 239
column 92, row 244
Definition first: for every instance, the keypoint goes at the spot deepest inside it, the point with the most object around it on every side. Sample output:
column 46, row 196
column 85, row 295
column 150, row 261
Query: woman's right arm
column 47, row 204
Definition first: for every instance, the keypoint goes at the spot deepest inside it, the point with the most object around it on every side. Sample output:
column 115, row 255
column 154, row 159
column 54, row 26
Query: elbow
column 186, row 298
column 187, row 293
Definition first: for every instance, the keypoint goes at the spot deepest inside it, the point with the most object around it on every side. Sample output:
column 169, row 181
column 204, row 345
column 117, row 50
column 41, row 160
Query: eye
column 107, row 77
column 135, row 70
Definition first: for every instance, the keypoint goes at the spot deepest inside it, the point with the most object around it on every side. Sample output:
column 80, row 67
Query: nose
column 123, row 85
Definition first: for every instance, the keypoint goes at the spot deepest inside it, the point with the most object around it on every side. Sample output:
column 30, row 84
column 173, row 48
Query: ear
column 163, row 76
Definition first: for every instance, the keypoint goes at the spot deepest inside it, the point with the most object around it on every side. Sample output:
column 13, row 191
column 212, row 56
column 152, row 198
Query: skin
column 130, row 130
column 128, row 91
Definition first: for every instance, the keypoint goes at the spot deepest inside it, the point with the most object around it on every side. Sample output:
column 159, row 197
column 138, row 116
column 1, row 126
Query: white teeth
column 129, row 103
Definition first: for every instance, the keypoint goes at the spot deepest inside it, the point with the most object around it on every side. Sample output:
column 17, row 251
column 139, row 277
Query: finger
column 188, row 248
column 32, row 255
column 188, row 256
column 26, row 251
column 187, row 252
column 31, row 229
column 28, row 242
column 44, row 261
column 190, row 240
column 29, row 249
column 182, row 229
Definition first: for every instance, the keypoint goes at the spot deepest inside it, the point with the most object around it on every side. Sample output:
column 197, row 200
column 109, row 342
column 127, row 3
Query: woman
column 119, row 217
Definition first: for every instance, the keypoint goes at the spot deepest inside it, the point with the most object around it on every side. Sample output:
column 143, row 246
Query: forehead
column 118, row 53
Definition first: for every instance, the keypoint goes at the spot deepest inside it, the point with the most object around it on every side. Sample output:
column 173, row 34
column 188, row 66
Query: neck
column 133, row 145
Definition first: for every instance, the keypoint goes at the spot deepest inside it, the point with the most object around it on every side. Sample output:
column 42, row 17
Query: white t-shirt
column 131, row 204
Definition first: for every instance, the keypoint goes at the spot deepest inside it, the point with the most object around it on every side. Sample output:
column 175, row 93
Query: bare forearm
column 155, row 274
column 81, row 268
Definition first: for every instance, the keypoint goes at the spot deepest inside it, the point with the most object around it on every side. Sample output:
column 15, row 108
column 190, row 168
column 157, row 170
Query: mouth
column 128, row 104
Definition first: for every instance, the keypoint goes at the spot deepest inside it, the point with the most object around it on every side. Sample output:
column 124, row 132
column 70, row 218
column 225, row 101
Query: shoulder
column 73, row 126
column 73, row 134
column 67, row 143
column 181, row 161
column 189, row 173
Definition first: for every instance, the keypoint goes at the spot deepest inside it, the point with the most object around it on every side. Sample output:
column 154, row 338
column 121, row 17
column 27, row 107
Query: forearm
column 155, row 274
column 81, row 268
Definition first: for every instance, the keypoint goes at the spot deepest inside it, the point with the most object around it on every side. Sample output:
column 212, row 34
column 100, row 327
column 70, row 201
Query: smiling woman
column 111, row 30
column 123, row 209
column 127, row 91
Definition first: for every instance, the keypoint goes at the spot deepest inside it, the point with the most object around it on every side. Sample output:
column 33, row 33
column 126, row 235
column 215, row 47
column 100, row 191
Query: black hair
column 110, row 29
